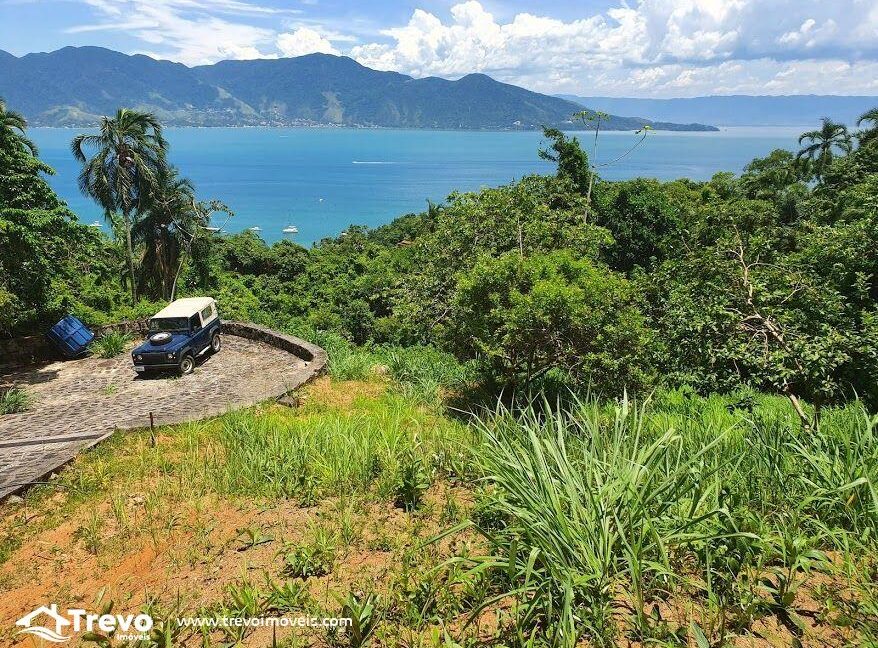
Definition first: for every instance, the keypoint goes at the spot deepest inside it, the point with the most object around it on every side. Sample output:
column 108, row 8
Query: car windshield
column 169, row 324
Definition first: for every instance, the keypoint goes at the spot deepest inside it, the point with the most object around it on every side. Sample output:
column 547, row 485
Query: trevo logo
column 47, row 623
column 52, row 616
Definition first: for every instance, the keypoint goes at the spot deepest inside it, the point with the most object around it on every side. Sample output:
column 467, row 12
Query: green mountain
column 76, row 85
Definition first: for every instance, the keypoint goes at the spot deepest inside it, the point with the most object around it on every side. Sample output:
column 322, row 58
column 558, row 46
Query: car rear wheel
column 187, row 365
column 215, row 343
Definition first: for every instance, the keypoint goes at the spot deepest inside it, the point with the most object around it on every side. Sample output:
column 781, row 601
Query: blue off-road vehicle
column 179, row 333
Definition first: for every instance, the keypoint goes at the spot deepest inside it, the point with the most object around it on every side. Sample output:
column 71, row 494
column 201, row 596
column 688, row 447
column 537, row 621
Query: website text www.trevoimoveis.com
column 265, row 622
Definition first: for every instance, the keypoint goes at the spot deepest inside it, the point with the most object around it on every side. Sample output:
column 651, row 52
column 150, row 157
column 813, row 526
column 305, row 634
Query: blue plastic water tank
column 71, row 336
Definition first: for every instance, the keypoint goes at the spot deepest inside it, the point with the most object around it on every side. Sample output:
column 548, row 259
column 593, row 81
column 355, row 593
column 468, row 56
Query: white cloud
column 188, row 31
column 304, row 41
column 637, row 47
column 653, row 47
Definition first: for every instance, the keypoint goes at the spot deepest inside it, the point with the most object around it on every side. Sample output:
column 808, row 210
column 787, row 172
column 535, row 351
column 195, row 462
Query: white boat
column 212, row 229
column 291, row 229
column 256, row 229
column 95, row 224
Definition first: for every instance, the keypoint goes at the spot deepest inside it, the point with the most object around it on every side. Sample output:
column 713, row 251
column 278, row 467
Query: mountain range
column 739, row 110
column 75, row 86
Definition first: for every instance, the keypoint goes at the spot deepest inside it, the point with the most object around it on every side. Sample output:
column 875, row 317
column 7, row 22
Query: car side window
column 207, row 313
column 195, row 322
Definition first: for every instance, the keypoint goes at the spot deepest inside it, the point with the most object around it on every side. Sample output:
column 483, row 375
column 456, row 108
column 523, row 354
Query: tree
column 536, row 214
column 13, row 129
column 776, row 178
column 128, row 159
column 643, row 223
column 170, row 206
column 193, row 235
column 246, row 253
column 50, row 263
column 572, row 161
column 523, row 317
column 869, row 134
column 824, row 141
column 790, row 317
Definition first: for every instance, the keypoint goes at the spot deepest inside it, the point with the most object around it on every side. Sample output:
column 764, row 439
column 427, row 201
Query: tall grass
column 426, row 374
column 380, row 446
column 110, row 344
column 376, row 449
column 14, row 400
column 421, row 374
column 616, row 506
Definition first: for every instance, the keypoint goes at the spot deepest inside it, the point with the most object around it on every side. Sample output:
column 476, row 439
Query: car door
column 199, row 334
column 209, row 321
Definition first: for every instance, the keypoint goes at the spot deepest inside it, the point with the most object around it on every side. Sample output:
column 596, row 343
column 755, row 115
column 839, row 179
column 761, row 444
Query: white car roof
column 185, row 307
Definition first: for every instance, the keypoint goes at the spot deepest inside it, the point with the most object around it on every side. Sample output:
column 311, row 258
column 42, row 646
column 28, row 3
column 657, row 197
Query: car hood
column 177, row 340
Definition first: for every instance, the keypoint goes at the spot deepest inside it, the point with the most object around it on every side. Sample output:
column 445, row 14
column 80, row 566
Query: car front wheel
column 187, row 365
column 215, row 343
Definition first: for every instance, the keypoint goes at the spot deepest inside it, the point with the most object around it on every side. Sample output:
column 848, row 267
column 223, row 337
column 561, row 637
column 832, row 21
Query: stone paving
column 78, row 403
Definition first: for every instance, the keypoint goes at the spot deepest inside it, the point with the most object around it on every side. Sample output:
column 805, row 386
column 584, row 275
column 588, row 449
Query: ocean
column 321, row 180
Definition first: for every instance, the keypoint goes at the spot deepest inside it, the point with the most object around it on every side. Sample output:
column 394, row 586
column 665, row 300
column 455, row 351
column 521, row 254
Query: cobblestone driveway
column 78, row 403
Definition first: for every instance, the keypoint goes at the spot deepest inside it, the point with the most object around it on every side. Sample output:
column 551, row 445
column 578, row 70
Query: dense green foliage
column 522, row 318
column 49, row 262
column 767, row 280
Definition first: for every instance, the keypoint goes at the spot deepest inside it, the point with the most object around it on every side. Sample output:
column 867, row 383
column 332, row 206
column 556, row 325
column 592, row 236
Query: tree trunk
column 176, row 275
column 588, row 195
column 130, row 257
column 592, row 168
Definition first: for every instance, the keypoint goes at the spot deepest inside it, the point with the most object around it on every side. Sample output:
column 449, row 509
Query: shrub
column 412, row 481
column 14, row 400
column 550, row 315
column 110, row 344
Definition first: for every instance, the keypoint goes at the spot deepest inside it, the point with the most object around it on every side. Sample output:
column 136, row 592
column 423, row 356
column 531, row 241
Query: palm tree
column 829, row 136
column 868, row 134
column 163, row 228
column 128, row 158
column 13, row 128
column 172, row 223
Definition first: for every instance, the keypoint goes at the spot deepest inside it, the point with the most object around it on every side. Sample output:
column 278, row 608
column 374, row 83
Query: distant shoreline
column 761, row 128
column 704, row 128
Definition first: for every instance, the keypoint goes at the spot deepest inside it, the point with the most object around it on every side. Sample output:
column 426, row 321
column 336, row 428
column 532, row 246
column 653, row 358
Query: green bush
column 110, row 344
column 524, row 317
column 14, row 400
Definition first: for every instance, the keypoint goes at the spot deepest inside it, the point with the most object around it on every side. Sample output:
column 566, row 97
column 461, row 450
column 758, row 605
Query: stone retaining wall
column 311, row 353
column 25, row 350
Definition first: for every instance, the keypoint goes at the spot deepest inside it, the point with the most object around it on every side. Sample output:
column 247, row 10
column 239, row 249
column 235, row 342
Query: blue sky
column 645, row 48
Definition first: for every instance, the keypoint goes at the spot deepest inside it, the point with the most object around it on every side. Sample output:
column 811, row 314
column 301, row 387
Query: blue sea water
column 322, row 180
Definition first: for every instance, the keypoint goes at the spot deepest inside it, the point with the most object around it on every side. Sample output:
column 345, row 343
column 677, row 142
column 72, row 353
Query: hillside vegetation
column 561, row 412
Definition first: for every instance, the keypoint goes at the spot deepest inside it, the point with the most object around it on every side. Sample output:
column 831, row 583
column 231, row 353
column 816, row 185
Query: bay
column 323, row 180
